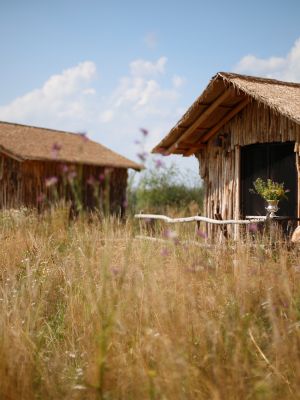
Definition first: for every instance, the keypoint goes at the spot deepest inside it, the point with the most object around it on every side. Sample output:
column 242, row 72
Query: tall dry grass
column 87, row 312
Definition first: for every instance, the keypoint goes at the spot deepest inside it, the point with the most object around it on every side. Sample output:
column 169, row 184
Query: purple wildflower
column 101, row 177
column 201, row 234
column 84, row 136
column 51, row 181
column 91, row 181
column 164, row 252
column 72, row 175
column 56, row 147
column 115, row 271
column 41, row 197
column 252, row 228
column 169, row 234
column 142, row 156
column 159, row 163
column 64, row 168
column 144, row 131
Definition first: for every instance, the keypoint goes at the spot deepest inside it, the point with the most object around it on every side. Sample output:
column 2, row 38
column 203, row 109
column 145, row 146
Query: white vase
column 272, row 208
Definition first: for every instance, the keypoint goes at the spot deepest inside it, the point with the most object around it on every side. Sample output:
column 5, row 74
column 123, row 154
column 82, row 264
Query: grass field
column 88, row 312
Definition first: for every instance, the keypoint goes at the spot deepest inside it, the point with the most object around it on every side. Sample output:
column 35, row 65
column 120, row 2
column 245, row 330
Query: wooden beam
column 187, row 146
column 200, row 119
column 223, row 121
column 194, row 149
column 218, row 126
column 10, row 154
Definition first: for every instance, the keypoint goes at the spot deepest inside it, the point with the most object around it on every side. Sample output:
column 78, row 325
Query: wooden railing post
column 223, row 228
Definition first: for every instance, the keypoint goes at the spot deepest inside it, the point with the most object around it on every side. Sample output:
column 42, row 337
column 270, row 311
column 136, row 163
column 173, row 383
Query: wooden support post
column 298, row 179
column 223, row 228
column 237, row 179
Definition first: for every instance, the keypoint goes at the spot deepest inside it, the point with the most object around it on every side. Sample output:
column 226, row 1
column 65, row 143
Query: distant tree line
column 161, row 188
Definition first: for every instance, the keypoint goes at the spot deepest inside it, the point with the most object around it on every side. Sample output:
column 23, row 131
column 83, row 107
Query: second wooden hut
column 39, row 166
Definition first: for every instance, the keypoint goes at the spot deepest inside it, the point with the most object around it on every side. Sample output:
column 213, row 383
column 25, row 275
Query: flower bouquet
column 270, row 191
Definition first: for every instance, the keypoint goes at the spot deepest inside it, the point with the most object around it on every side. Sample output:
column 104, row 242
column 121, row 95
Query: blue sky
column 110, row 68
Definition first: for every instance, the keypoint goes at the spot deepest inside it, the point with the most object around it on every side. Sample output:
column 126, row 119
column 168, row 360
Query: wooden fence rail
column 198, row 218
column 272, row 222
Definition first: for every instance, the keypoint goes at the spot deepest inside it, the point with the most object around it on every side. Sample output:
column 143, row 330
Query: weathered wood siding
column 24, row 184
column 220, row 160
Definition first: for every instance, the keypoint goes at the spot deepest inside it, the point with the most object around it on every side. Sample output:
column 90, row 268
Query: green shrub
column 160, row 188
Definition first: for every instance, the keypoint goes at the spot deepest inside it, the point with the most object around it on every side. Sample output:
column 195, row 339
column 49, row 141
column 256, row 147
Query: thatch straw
column 39, row 144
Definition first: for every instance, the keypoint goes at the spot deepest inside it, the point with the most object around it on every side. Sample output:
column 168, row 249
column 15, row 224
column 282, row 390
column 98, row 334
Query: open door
column 276, row 161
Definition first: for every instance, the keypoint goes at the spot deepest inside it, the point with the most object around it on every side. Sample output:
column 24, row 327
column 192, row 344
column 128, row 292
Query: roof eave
column 174, row 137
column 8, row 153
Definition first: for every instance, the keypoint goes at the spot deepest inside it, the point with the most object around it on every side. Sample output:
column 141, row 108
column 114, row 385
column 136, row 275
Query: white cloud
column 147, row 68
column 69, row 81
column 284, row 68
column 142, row 95
column 89, row 91
column 60, row 97
column 143, row 98
column 178, row 81
column 106, row 116
column 146, row 97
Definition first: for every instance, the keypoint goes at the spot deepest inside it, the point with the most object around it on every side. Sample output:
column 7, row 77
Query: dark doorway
column 276, row 161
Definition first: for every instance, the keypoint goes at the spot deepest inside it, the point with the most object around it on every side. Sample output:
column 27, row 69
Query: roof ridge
column 231, row 75
column 44, row 128
column 63, row 132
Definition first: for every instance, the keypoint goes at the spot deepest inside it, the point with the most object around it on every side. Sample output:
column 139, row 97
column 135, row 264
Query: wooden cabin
column 39, row 166
column 241, row 128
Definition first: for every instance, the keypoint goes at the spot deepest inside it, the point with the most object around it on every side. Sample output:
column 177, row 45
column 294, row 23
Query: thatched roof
column 24, row 142
column 225, row 96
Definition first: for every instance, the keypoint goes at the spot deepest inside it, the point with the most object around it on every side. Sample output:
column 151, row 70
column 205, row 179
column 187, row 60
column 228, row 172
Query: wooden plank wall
column 23, row 183
column 220, row 175
column 259, row 124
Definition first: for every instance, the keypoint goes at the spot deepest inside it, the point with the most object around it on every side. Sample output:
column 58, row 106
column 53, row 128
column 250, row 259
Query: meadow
column 88, row 311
